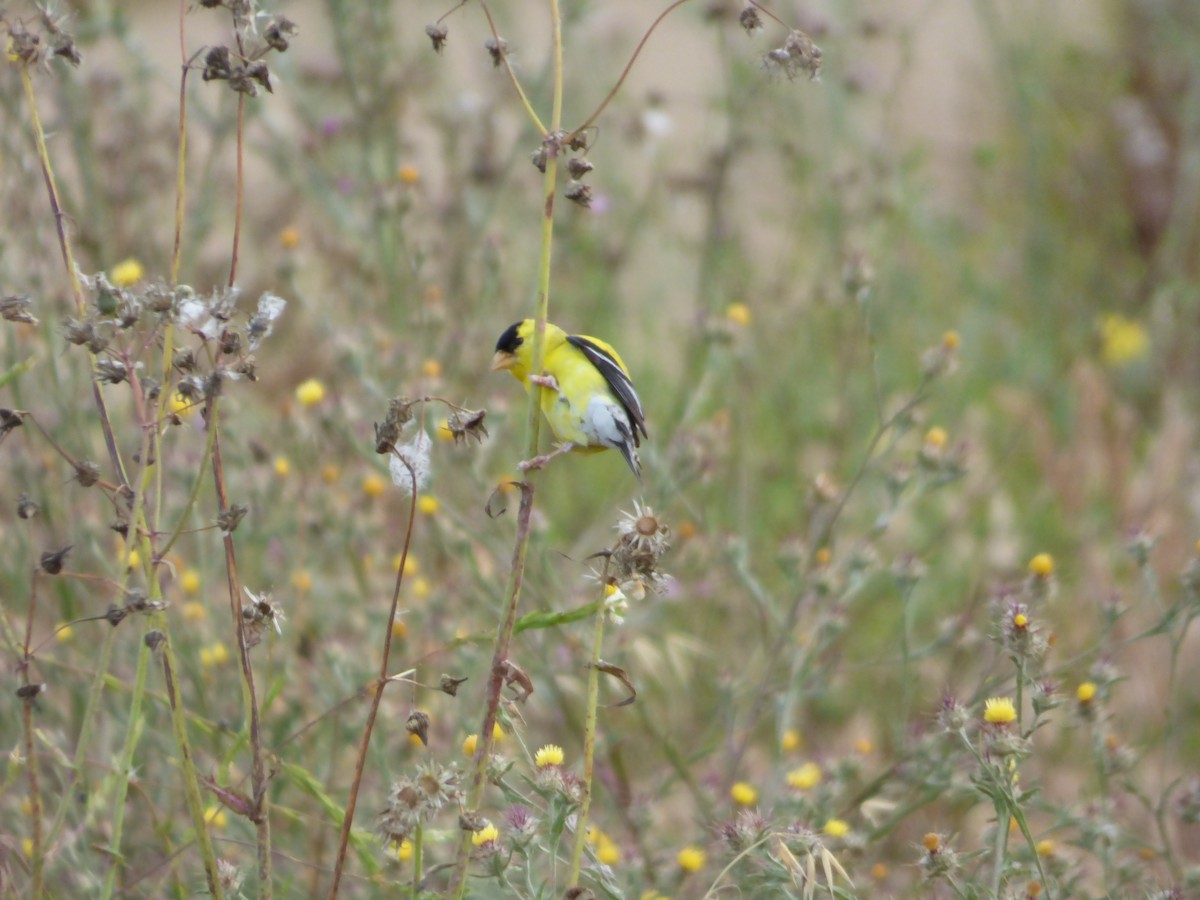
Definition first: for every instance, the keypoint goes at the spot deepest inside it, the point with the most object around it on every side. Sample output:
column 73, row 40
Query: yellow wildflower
column 836, row 828
column 486, row 835
column 1122, row 340
column 1042, row 565
column 738, row 313
column 310, row 392
column 127, row 273
column 744, row 794
column 691, row 859
column 804, row 778
column 999, row 710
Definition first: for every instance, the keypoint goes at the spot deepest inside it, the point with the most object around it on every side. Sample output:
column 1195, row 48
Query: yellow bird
column 587, row 396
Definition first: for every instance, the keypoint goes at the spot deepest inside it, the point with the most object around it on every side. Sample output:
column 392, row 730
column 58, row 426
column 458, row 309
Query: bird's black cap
column 510, row 340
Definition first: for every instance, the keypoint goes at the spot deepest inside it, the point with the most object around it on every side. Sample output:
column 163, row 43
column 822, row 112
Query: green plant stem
column 133, row 731
column 1003, row 814
column 35, row 797
column 418, row 853
column 68, row 257
column 589, row 747
column 85, row 733
column 191, row 787
column 516, row 578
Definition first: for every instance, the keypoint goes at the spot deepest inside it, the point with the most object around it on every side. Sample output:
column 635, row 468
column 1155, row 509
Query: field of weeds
column 902, row 603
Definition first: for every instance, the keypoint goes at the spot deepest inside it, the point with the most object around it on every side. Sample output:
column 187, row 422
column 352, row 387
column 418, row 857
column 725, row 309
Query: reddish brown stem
column 380, row 684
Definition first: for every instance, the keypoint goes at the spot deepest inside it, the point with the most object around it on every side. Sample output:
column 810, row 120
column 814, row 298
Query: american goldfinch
column 587, row 396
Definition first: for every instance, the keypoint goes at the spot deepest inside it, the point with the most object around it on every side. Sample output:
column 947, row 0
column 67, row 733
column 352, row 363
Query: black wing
column 618, row 380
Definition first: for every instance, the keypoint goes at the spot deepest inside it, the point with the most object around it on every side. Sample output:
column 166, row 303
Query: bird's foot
column 539, row 462
column 546, row 381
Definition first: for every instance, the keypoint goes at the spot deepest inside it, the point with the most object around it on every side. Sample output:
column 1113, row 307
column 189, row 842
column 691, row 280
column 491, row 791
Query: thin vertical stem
column 483, row 748
column 380, row 684
column 589, row 743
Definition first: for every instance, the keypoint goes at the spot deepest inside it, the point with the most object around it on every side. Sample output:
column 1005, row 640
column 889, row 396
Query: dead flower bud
column 540, row 157
column 516, row 678
column 438, row 34
column 211, row 4
column 216, row 64
column 449, row 685
column 111, row 371
column 230, row 517
column 51, row 561
column 184, row 360
column 24, row 46
column 750, row 20
column 278, row 33
column 260, row 73
column 471, row 821
column 128, row 312
column 231, row 342
column 399, row 414
column 9, row 419
column 29, row 691
column 78, row 331
column 116, row 615
column 498, row 48
column 579, row 893
column 577, row 167
column 26, row 508
column 258, row 615
column 154, row 639
column 87, row 472
column 15, row 308
column 246, row 368
column 418, row 724
column 193, row 388
column 64, row 46
column 467, row 424
column 578, row 192
column 798, row 54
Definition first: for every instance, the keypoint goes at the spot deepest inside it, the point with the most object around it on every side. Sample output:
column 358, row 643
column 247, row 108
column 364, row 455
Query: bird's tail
column 631, row 457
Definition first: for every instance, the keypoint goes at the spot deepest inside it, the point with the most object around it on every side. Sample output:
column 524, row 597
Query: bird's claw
column 537, row 462
column 546, row 381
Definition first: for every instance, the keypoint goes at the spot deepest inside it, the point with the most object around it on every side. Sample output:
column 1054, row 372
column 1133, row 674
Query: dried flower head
column 750, row 20
column 578, row 167
column 498, row 49
column 9, row 420
column 388, row 434
column 641, row 542
column 418, row 724
column 229, row 518
column 579, row 193
column 466, row 423
column 26, row 508
column 51, row 562
column 437, row 33
column 798, row 54
column 261, row 613
column 15, row 308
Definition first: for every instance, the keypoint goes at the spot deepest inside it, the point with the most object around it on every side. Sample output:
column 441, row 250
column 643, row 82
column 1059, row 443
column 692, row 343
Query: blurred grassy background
column 772, row 259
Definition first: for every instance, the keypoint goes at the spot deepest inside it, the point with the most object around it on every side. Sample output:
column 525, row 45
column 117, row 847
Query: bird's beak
column 502, row 360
